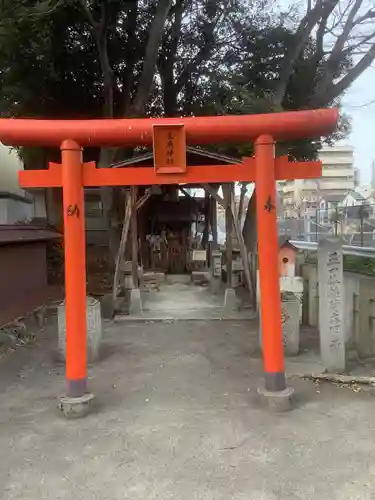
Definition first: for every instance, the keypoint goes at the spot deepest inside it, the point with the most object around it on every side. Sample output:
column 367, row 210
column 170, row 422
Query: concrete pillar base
column 277, row 400
column 76, row 407
column 230, row 300
column 107, row 308
column 135, row 301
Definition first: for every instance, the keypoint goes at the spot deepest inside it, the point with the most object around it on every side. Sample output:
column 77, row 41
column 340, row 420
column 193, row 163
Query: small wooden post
column 227, row 192
column 134, row 236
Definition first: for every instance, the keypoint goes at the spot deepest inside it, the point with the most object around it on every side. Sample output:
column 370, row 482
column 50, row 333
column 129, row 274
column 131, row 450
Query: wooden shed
column 23, row 269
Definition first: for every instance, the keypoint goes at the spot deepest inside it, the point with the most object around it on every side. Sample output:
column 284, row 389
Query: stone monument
column 331, row 305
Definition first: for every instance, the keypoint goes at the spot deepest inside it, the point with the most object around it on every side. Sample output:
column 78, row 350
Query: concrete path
column 180, row 296
column 184, row 301
column 179, row 420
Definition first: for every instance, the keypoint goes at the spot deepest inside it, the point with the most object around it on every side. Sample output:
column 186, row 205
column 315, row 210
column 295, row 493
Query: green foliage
column 361, row 265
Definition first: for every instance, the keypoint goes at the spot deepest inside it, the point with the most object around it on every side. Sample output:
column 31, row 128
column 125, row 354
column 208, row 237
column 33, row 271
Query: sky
column 359, row 105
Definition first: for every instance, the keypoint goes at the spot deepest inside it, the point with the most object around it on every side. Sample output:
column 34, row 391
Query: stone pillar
column 94, row 329
column 290, row 319
column 331, row 305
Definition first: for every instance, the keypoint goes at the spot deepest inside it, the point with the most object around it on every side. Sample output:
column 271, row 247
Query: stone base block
column 107, row 309
column 77, row 407
column 135, row 301
column 277, row 400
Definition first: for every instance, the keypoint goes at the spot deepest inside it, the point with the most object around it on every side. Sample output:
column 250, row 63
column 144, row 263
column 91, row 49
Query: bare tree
column 343, row 32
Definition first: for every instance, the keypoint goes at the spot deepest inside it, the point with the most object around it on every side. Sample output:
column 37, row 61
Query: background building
column 339, row 177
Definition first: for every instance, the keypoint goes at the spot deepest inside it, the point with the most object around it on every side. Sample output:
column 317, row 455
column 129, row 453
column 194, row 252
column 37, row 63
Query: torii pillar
column 275, row 387
column 73, row 175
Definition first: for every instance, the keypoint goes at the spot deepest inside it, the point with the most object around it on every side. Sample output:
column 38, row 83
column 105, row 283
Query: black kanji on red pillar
column 73, row 210
column 268, row 206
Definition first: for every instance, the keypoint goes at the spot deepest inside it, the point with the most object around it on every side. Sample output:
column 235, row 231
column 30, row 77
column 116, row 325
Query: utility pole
column 361, row 214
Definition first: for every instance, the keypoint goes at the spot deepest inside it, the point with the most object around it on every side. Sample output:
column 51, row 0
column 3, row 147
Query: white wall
column 39, row 203
column 12, row 211
column 3, row 211
column 10, row 165
column 18, row 211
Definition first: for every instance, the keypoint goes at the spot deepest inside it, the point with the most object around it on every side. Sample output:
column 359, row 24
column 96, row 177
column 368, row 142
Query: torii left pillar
column 78, row 401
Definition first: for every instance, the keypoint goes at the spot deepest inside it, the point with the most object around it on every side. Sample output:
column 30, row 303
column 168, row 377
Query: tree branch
column 328, row 90
column 370, row 14
column 88, row 12
column 334, row 58
column 351, row 75
column 205, row 50
column 307, row 24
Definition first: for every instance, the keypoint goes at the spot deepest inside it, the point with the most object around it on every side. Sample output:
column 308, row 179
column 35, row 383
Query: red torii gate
column 73, row 175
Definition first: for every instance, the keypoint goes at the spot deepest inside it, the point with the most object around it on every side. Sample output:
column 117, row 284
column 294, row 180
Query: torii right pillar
column 275, row 390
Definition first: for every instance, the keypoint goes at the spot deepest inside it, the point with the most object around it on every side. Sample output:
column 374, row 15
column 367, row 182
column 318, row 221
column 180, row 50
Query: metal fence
column 346, row 249
column 354, row 224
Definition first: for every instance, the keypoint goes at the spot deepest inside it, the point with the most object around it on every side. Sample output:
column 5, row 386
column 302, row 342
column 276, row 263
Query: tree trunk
column 153, row 43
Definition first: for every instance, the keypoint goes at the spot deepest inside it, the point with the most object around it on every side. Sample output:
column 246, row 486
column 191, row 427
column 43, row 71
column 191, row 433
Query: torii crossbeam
column 170, row 168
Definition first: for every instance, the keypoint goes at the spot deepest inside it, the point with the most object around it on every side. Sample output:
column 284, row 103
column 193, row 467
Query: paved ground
column 181, row 296
column 185, row 301
column 178, row 420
